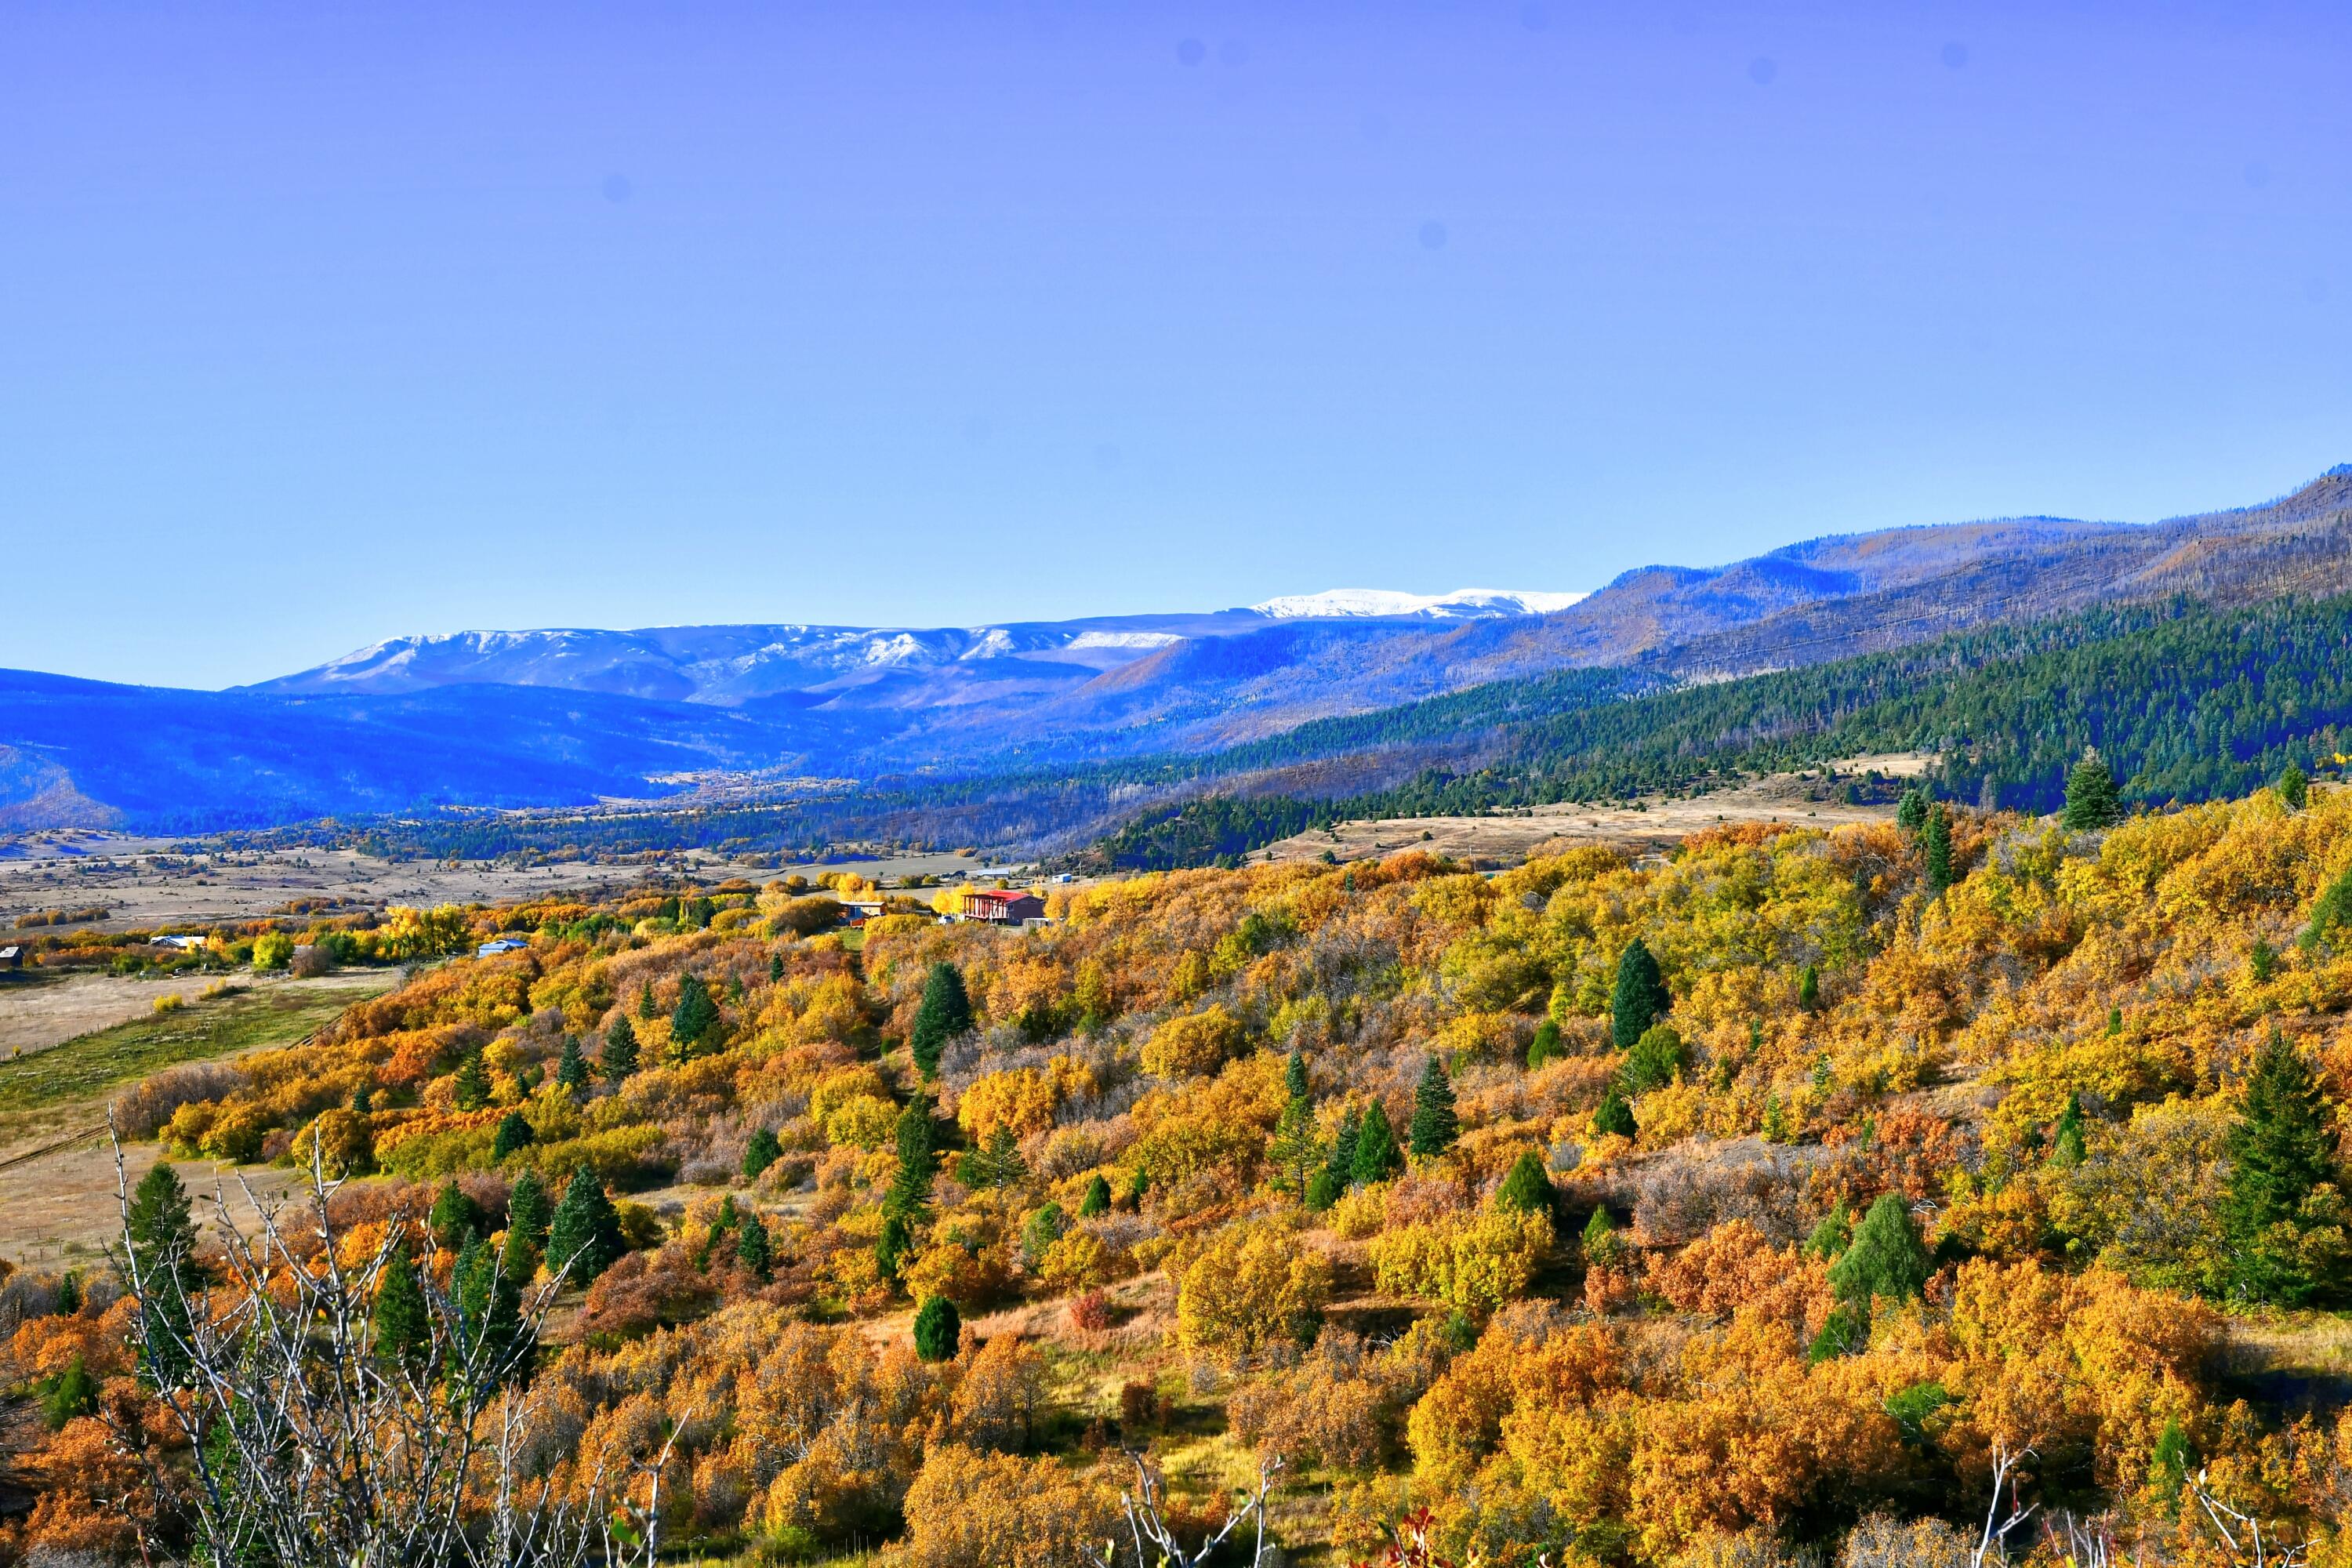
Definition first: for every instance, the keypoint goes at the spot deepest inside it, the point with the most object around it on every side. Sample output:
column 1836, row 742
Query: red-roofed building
column 1003, row 908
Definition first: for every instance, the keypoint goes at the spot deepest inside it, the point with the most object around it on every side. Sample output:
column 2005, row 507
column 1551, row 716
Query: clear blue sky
column 323, row 323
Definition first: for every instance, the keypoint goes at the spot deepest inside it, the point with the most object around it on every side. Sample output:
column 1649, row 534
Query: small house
column 12, row 958
column 999, row 906
column 857, row 912
column 185, row 944
column 500, row 944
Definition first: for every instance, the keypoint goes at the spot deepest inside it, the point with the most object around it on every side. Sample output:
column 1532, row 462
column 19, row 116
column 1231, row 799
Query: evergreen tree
column 2330, row 913
column 2278, row 1156
column 2168, row 1466
column 1809, row 992
column 775, row 969
column 918, row 1161
column 1938, row 841
column 362, row 1100
column 1097, row 1200
column 760, row 1152
column 1526, row 1186
column 583, row 1237
column 1322, row 1190
column 528, row 1214
column 1137, row 1188
column 1294, row 1151
column 996, row 1163
column 571, row 1069
column 1343, row 1147
column 1294, row 1077
column 694, row 1018
column 490, row 1313
column 453, row 1216
column 752, row 1247
column 893, row 1243
column 69, row 1295
column 2092, row 799
column 513, row 1135
column 1640, row 998
column 2294, row 789
column 939, row 1329
column 1911, row 812
column 473, row 1083
column 1614, row 1115
column 71, row 1394
column 2067, row 1148
column 647, row 1011
column 1654, row 1059
column 944, row 1013
column 1604, row 1248
column 1833, row 1236
column 404, row 1326
column 620, row 1058
column 1885, row 1260
column 160, row 1234
column 1545, row 1046
column 1434, row 1126
column 1045, row 1225
column 1376, row 1157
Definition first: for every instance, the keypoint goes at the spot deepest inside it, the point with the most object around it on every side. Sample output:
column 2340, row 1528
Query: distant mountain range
column 565, row 717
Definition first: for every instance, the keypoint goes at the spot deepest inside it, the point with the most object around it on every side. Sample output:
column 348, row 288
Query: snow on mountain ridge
column 1369, row 602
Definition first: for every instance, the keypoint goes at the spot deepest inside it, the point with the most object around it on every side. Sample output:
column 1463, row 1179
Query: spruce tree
column 161, row 1236
column 892, row 1244
column 620, row 1058
column 1137, row 1188
column 1294, row 1151
column 2294, row 789
column 1343, row 1147
column 918, row 1161
column 1886, row 1258
column 453, row 1216
column 2278, row 1154
column 1809, row 992
column 752, row 1247
column 695, row 1016
column 1434, row 1126
column 1526, row 1186
column 760, row 1152
column 1654, row 1059
column 939, row 1329
column 71, row 1394
column 2092, row 799
column 647, row 1010
column 513, row 1135
column 490, row 1313
column 1614, row 1115
column 1294, row 1077
column 1640, row 998
column 1377, row 1158
column 944, row 1013
column 1833, row 1236
column 473, row 1083
column 775, row 969
column 1545, row 1046
column 1938, row 841
column 571, row 1069
column 2067, row 1147
column 583, row 1237
column 1097, row 1200
column 1911, row 811
column 528, row 1215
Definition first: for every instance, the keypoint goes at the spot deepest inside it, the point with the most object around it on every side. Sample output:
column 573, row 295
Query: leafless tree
column 1993, row 1543
column 308, row 1445
column 2243, row 1533
column 1155, row 1543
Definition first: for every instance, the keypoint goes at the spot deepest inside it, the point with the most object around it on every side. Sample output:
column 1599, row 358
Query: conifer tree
column 1434, row 1126
column 1343, row 1147
column 455, row 1214
column 489, row 1312
column 1294, row 1151
column 473, row 1083
column 761, row 1151
column 528, row 1214
column 1886, row 1260
column 160, row 1234
column 1138, row 1188
column 1545, row 1046
column 1614, row 1115
column 620, row 1058
column 918, row 1161
column 2092, row 799
column 571, row 1068
column 2294, row 789
column 2279, row 1154
column 1640, row 998
column 1377, row 1158
column 2067, row 1147
column 1526, row 1186
column 1097, row 1200
column 647, row 1010
column 752, row 1247
column 1809, row 992
column 944, row 1013
column 70, row 1394
column 694, row 1018
column 1654, row 1059
column 1294, row 1077
column 1604, row 1248
column 1833, row 1236
column 583, row 1237
column 939, row 1329
column 513, row 1135
column 1938, row 841
column 404, row 1327
column 1911, row 811
column 775, row 969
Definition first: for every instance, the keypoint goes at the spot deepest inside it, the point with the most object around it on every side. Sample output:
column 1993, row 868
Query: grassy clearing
column 81, row 1070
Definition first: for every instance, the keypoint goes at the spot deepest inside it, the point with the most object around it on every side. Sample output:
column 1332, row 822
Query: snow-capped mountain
column 1463, row 604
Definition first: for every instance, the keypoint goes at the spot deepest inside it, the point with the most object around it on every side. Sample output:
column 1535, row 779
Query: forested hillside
column 1790, row 1192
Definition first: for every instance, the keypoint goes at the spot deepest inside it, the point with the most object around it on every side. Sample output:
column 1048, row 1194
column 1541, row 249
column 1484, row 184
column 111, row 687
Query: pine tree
column 1833, row 1236
column 620, row 1058
column 1640, row 998
column 161, row 1236
column 1885, row 1260
column 1343, row 1147
column 2278, row 1155
column 1526, row 1186
column 571, row 1069
column 1045, row 1225
column 2092, row 799
column 473, row 1083
column 1545, row 1046
column 1655, row 1060
column 1911, row 811
column 647, row 1011
column 939, row 1329
column 1377, row 1158
column 1809, row 991
column 583, row 1237
column 1604, row 1248
column 918, row 1161
column 892, row 1244
column 1294, row 1077
column 760, row 1152
column 1614, row 1115
column 1434, row 1126
column 1294, row 1151
column 2067, row 1147
column 490, row 1313
column 752, row 1247
column 455, row 1214
column 513, row 1135
column 1097, row 1201
column 71, row 1394
column 775, row 969
column 1938, row 841
column 1137, row 1188
column 694, row 1018
column 944, row 1013
column 528, row 1215
column 2294, row 789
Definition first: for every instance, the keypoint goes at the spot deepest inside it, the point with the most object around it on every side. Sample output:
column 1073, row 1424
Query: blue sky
column 323, row 322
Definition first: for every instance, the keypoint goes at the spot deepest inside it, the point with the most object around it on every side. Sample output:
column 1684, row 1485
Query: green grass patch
column 84, row 1068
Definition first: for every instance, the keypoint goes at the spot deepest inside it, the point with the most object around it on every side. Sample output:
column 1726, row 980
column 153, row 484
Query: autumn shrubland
column 1769, row 1196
